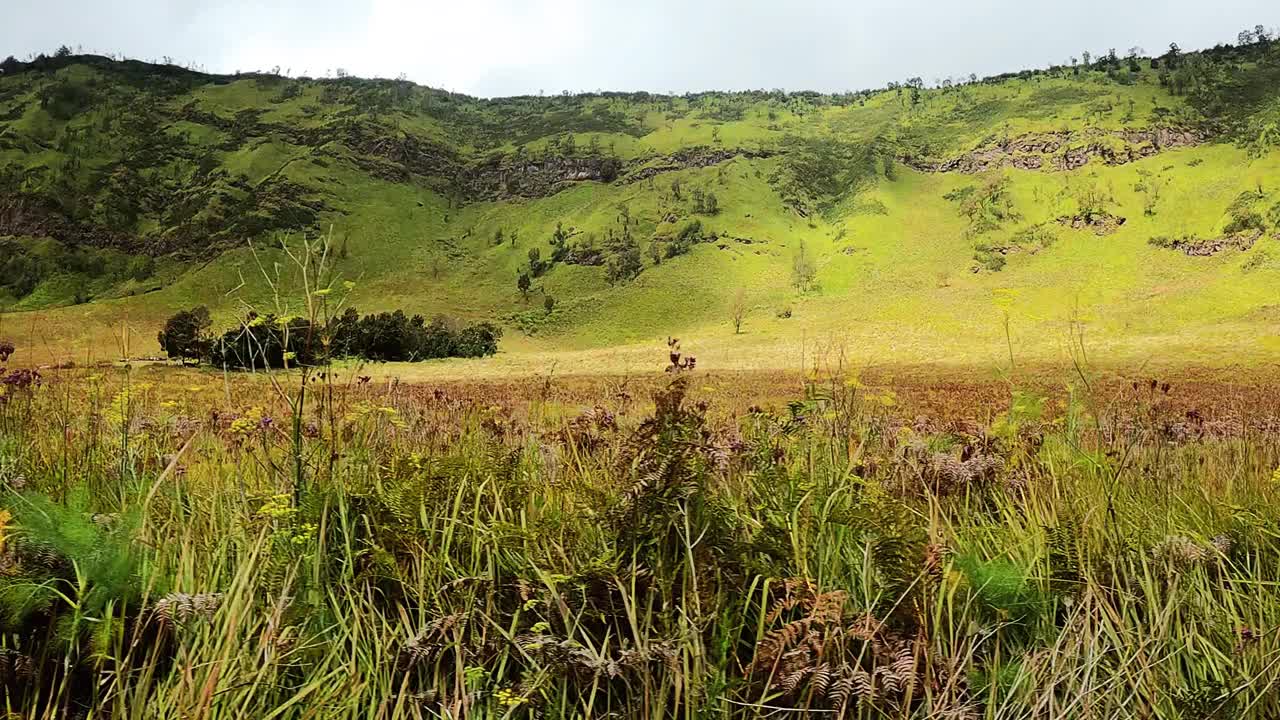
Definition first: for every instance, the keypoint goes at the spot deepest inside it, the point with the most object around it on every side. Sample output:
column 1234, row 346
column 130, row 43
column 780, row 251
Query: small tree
column 186, row 335
column 738, row 311
column 625, row 262
column 548, row 304
column 141, row 268
column 524, row 283
column 803, row 271
column 477, row 340
column 536, row 266
column 1093, row 202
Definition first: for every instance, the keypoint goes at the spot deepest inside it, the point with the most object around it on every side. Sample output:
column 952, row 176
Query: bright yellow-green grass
column 895, row 277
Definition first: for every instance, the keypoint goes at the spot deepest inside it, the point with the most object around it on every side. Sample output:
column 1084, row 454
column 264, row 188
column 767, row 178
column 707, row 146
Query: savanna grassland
column 951, row 402
column 316, row 543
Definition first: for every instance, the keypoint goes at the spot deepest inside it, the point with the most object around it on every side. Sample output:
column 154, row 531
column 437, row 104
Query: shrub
column 990, row 259
column 986, row 206
column 265, row 341
column 1035, row 238
column 477, row 340
column 690, row 234
column 396, row 337
column 624, row 262
column 1244, row 221
column 186, row 334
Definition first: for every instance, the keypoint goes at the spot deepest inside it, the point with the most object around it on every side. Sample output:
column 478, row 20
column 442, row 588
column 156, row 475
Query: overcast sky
column 506, row 47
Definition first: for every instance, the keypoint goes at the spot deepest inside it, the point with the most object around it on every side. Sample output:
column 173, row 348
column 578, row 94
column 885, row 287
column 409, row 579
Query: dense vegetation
column 271, row 341
column 596, row 219
column 308, row 545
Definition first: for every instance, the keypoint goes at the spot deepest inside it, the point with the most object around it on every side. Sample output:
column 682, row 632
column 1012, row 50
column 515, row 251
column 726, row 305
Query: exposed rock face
column 396, row 156
column 247, row 124
column 1064, row 150
column 1099, row 223
column 27, row 215
column 1204, row 247
column 273, row 205
column 696, row 157
column 401, row 157
column 504, row 176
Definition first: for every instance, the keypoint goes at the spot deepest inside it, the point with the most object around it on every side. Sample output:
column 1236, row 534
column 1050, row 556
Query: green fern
column 66, row 554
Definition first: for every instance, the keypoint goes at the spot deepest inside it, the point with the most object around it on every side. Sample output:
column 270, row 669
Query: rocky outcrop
column 1205, row 247
column 191, row 230
column 696, row 157
column 23, row 215
column 1058, row 151
column 396, row 156
column 247, row 125
column 506, row 176
column 1099, row 223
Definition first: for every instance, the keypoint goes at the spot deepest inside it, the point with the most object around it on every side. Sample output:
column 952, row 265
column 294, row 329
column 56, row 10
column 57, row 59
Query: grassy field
column 857, row 543
column 998, row 436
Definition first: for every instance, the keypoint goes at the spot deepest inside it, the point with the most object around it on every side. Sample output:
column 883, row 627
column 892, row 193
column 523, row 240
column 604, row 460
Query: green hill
column 1136, row 198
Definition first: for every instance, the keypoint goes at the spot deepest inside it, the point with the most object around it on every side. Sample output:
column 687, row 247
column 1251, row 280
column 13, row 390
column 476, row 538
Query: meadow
column 983, row 421
column 331, row 542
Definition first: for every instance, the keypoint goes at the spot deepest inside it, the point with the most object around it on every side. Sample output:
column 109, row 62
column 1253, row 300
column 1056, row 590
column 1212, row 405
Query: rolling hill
column 1134, row 200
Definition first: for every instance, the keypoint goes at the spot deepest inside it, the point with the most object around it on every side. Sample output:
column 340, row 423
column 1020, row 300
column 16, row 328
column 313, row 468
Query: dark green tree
column 536, row 266
column 186, row 334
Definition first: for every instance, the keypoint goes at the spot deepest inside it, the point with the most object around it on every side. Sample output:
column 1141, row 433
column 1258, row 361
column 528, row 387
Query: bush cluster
column 394, row 336
column 23, row 266
column 272, row 341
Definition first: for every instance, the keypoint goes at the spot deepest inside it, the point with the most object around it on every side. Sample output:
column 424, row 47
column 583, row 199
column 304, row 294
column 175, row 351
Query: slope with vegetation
column 1132, row 191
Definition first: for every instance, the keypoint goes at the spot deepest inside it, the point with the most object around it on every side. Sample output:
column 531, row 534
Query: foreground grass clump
column 181, row 545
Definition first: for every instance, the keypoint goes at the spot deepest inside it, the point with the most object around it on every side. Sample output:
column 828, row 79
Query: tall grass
column 229, row 551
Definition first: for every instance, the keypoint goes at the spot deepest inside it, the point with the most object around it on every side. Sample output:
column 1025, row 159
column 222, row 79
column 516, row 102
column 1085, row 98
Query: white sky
column 507, row 47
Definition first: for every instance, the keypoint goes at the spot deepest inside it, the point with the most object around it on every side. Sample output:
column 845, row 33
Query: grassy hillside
column 1136, row 199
